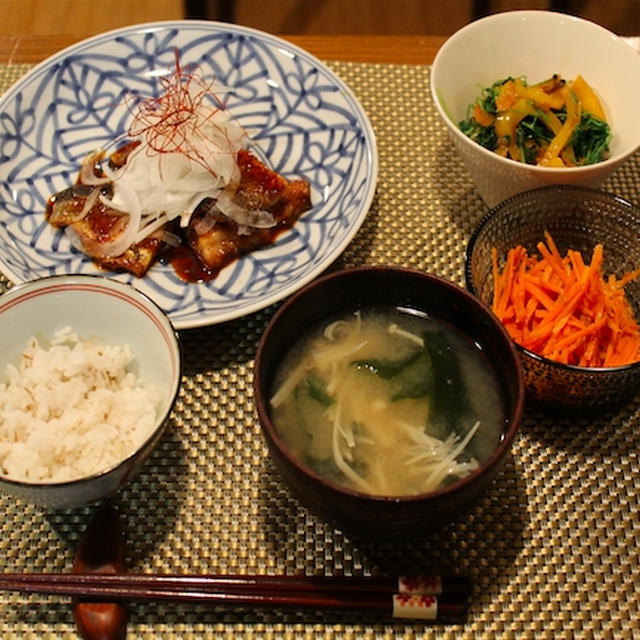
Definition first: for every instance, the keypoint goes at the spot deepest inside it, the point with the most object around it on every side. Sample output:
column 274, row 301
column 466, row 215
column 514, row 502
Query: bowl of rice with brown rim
column 89, row 373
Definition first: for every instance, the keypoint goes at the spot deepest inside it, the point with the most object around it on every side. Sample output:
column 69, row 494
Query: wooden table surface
column 357, row 48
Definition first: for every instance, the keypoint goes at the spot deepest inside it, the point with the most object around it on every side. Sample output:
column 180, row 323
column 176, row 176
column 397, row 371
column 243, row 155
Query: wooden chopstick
column 413, row 585
column 398, row 597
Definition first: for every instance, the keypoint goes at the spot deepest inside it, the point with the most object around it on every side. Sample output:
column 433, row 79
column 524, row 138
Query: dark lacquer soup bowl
column 388, row 398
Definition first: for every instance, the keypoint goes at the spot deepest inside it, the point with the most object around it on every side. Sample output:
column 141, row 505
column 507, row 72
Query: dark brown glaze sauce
column 182, row 259
column 260, row 187
column 187, row 265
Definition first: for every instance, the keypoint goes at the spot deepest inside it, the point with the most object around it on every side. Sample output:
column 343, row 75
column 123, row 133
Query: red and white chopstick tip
column 420, row 585
column 415, row 607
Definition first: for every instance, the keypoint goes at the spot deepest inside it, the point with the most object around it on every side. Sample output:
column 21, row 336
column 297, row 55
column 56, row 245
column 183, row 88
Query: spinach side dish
column 554, row 123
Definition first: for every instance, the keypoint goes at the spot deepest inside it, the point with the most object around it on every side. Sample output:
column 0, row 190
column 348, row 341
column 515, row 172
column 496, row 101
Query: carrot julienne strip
column 563, row 308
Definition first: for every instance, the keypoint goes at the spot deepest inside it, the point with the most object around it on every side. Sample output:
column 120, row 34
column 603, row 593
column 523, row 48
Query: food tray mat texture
column 551, row 547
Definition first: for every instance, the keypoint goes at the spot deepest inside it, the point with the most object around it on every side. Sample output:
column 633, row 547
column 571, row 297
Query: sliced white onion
column 157, row 187
column 74, row 239
column 204, row 224
column 170, row 238
column 100, row 250
column 149, row 227
column 92, row 198
column 125, row 239
column 256, row 218
column 111, row 173
column 70, row 216
column 87, row 170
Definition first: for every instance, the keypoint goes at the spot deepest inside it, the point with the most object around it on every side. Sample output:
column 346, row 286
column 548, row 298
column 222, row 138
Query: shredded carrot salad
column 561, row 308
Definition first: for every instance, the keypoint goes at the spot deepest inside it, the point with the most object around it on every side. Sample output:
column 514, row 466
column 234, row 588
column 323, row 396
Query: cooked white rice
column 71, row 410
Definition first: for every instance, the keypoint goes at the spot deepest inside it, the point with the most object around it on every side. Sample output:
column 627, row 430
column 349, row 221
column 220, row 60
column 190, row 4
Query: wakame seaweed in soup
column 387, row 402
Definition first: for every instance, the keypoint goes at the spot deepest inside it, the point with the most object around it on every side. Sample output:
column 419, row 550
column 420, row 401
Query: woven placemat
column 551, row 547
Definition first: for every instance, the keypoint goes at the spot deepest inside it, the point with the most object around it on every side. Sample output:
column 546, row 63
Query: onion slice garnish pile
column 187, row 151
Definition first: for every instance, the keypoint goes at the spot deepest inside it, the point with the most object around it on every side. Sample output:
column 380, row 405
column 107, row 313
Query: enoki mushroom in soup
column 387, row 402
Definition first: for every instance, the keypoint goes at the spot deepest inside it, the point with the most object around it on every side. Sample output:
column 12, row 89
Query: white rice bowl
column 71, row 409
column 79, row 425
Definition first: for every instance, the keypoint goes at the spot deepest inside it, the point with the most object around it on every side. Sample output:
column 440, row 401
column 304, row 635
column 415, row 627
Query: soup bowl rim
column 500, row 448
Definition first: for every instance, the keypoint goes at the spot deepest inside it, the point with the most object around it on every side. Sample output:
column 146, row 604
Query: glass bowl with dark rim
column 577, row 218
column 379, row 287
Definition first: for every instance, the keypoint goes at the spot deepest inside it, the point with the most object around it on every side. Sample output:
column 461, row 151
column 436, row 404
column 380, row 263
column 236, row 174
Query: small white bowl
column 104, row 311
column 536, row 44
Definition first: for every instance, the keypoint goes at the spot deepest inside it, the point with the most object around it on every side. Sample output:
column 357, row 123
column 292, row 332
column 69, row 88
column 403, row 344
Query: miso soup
column 387, row 402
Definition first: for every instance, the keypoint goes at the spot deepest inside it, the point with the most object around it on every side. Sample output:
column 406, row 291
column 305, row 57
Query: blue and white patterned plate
column 305, row 121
